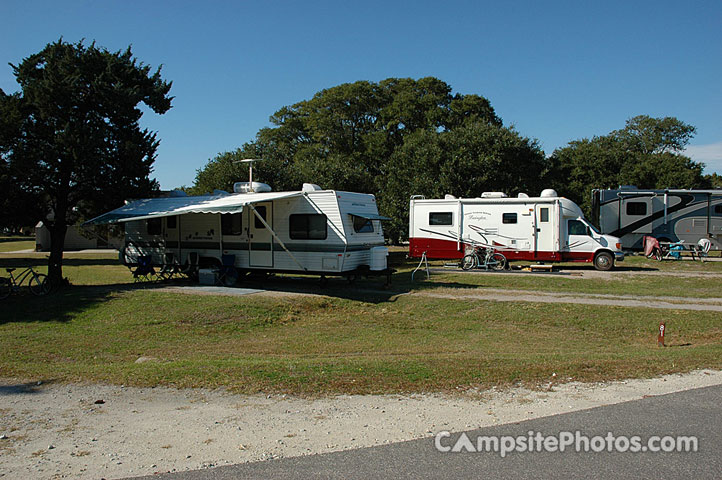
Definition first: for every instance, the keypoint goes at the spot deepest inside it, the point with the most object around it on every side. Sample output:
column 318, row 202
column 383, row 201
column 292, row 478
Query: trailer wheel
column 603, row 261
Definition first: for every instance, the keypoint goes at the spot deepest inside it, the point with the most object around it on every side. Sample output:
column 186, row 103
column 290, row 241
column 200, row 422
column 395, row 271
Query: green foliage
column 645, row 153
column 713, row 180
column 77, row 145
column 394, row 138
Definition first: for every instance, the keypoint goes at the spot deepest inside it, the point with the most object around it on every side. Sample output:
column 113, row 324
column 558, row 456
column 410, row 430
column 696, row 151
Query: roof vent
column 493, row 195
column 310, row 187
column 449, row 197
column 522, row 195
column 549, row 192
column 245, row 187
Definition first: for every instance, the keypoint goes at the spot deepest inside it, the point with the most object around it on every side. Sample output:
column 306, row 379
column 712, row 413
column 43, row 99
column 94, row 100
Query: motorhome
column 669, row 215
column 548, row 228
column 313, row 231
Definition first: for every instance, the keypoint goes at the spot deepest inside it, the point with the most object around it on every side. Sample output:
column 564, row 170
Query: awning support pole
column 273, row 234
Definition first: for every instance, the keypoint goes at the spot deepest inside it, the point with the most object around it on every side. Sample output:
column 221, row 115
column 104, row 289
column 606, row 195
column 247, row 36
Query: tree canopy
column 74, row 140
column 645, row 153
column 394, row 138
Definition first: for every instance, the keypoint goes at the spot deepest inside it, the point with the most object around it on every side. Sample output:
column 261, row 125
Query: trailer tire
column 603, row 261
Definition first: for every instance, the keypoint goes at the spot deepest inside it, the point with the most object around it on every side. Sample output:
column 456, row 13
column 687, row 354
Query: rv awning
column 369, row 216
column 165, row 207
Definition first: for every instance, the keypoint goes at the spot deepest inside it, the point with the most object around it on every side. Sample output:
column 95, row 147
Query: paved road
column 694, row 412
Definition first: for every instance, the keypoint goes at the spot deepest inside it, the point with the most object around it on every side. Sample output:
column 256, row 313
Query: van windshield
column 594, row 229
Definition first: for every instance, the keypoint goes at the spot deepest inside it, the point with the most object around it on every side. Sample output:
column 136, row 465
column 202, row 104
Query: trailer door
column 260, row 240
column 544, row 230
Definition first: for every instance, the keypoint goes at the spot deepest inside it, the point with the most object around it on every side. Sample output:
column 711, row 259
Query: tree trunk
column 57, row 229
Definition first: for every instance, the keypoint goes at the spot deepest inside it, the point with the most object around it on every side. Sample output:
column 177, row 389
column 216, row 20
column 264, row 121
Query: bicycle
column 37, row 282
column 484, row 257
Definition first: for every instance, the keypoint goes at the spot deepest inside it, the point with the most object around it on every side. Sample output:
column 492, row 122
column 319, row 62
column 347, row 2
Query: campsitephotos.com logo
column 563, row 441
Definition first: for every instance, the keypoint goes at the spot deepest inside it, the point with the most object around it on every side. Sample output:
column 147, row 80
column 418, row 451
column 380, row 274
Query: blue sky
column 558, row 71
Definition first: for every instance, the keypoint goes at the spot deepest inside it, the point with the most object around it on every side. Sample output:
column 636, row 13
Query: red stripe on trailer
column 437, row 249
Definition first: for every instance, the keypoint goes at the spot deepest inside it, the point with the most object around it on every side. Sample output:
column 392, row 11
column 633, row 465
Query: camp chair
column 228, row 275
column 190, row 269
column 144, row 271
column 701, row 250
column 170, row 267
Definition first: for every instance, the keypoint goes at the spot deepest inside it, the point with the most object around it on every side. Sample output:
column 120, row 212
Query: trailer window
column 155, row 227
column 508, row 217
column 231, row 223
column 441, row 218
column 362, row 225
column 718, row 209
column 171, row 222
column 636, row 208
column 304, row 226
column 544, row 215
column 261, row 209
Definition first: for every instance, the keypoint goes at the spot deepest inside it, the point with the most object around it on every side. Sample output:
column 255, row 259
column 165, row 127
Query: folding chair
column 170, row 267
column 228, row 274
column 190, row 269
column 701, row 250
column 144, row 271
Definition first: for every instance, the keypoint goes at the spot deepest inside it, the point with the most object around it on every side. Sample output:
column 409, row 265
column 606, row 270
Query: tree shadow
column 617, row 268
column 59, row 306
column 42, row 261
column 24, row 388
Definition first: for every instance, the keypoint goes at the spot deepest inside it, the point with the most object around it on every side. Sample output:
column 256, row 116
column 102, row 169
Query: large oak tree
column 75, row 143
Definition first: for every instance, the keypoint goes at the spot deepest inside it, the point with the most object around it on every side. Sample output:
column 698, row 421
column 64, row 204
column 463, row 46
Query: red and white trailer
column 547, row 228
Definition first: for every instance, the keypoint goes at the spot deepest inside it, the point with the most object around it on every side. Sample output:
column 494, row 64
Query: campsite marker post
column 660, row 334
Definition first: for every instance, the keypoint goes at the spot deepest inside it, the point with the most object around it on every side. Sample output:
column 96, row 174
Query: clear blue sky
column 558, row 71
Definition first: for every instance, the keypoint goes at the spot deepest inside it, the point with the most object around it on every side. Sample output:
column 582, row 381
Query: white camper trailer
column 547, row 228
column 669, row 215
column 311, row 231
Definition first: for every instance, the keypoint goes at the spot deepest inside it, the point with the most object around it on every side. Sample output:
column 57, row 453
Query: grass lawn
column 352, row 339
column 12, row 244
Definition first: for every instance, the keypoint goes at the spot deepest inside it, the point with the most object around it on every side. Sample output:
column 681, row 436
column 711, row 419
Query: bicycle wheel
column 498, row 261
column 39, row 284
column 5, row 288
column 468, row 262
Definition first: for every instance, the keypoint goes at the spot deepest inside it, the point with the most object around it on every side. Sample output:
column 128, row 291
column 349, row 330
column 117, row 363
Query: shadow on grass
column 59, row 306
column 42, row 261
column 22, row 388
column 16, row 239
column 617, row 268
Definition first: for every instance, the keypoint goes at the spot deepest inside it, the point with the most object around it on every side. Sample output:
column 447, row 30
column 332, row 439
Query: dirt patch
column 53, row 430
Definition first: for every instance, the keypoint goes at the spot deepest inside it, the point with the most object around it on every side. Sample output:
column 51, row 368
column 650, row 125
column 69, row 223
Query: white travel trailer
column 547, row 228
column 669, row 215
column 311, row 231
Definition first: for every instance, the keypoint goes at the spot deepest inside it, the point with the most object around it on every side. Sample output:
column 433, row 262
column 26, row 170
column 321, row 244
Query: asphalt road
column 691, row 413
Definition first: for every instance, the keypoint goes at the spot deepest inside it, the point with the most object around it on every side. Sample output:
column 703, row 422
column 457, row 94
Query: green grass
column 350, row 340
column 12, row 244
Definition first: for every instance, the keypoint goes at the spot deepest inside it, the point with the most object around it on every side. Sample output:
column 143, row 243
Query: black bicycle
column 37, row 282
